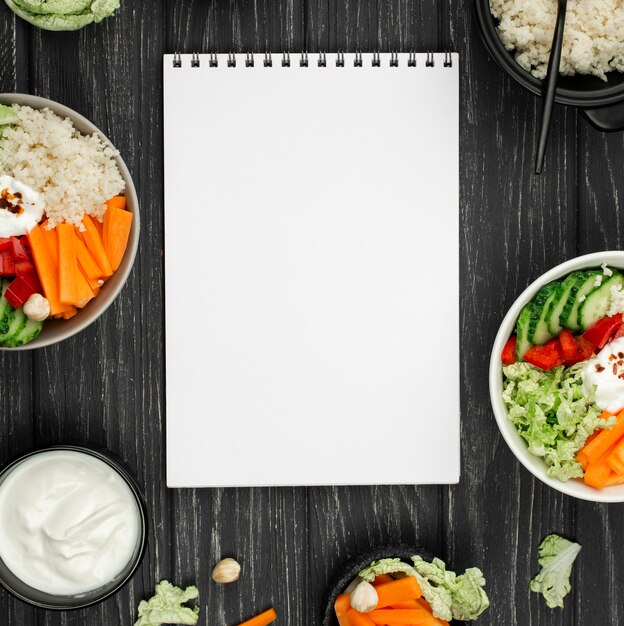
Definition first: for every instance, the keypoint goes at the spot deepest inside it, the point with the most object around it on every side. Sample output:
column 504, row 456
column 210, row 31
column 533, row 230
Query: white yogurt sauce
column 606, row 373
column 21, row 208
column 69, row 523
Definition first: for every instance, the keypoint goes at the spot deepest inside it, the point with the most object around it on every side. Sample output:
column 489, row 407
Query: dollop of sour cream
column 605, row 373
column 69, row 523
column 21, row 208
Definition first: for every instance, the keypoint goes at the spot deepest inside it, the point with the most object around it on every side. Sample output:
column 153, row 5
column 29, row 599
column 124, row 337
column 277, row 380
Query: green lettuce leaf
column 553, row 414
column 386, row 566
column 63, row 14
column 556, row 557
column 166, row 606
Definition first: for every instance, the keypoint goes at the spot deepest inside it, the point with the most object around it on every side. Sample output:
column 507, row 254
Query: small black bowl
column 43, row 600
column 350, row 570
column 602, row 102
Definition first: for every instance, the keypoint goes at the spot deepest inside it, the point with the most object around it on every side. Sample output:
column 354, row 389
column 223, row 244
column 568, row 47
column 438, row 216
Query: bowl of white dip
column 73, row 527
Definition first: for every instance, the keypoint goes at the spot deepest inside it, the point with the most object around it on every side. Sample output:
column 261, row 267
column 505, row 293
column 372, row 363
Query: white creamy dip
column 69, row 523
column 605, row 372
column 21, row 208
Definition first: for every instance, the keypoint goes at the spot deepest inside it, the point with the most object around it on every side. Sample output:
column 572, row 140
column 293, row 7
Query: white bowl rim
column 82, row 321
column 574, row 488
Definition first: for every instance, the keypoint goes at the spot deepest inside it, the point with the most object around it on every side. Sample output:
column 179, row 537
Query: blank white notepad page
column 312, row 272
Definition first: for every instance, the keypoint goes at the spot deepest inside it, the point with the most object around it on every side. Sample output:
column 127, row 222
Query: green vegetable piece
column 386, row 566
column 63, row 15
column 449, row 595
column 7, row 115
column 556, row 557
column 552, row 413
column 166, row 606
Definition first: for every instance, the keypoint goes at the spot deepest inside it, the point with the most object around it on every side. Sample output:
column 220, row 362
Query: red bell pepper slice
column 584, row 351
column 23, row 267
column 568, row 345
column 18, row 292
column 509, row 351
column 545, row 357
column 8, row 266
column 599, row 333
column 19, row 254
column 5, row 244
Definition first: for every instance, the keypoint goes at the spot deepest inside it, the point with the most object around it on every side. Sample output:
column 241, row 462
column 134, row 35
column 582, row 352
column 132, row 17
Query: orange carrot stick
column 581, row 457
column 94, row 245
column 359, row 619
column 597, row 473
column 398, row 591
column 381, row 579
column 615, row 459
column 342, row 605
column 598, row 446
column 117, row 224
column 46, row 270
column 343, row 620
column 86, row 261
column 267, row 617
column 615, row 479
column 416, row 617
column 116, row 202
column 67, row 264
column 69, row 314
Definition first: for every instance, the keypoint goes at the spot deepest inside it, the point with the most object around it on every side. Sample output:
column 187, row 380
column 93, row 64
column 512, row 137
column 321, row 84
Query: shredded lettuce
column 449, row 595
column 166, row 606
column 556, row 557
column 63, row 14
column 552, row 412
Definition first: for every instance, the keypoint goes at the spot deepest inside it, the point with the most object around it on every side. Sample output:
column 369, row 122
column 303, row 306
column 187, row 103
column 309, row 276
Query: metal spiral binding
column 195, row 60
column 394, row 59
column 448, row 59
column 376, row 59
column 231, row 59
column 430, row 60
column 268, row 59
column 357, row 62
column 322, row 62
column 304, row 60
column 213, row 61
column 285, row 59
column 177, row 59
column 249, row 60
column 340, row 60
column 411, row 60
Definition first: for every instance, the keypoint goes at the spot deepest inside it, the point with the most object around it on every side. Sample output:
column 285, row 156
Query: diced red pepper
column 5, row 244
column 23, row 267
column 568, row 345
column 509, row 351
column 599, row 333
column 32, row 279
column 545, row 357
column 584, row 351
column 619, row 333
column 18, row 292
column 19, row 254
column 8, row 266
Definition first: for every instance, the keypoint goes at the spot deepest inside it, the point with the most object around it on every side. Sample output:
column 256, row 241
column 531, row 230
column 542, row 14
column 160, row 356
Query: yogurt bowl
column 73, row 527
column 573, row 487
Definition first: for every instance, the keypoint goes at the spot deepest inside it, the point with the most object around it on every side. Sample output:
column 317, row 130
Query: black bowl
column 350, row 570
column 43, row 600
column 602, row 102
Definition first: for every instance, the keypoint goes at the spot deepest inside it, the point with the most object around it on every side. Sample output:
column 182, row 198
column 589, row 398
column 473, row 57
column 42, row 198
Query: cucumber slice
column 523, row 345
column 596, row 304
column 538, row 328
column 30, row 331
column 581, row 288
column 16, row 327
column 7, row 313
column 553, row 317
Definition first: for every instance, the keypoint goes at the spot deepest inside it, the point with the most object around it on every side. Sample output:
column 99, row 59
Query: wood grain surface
column 106, row 386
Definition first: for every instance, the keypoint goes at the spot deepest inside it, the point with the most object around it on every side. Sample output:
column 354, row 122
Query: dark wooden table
column 106, row 385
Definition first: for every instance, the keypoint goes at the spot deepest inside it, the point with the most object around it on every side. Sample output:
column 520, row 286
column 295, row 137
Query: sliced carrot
column 117, row 224
column 86, row 261
column 581, row 457
column 95, row 246
column 407, row 604
column 359, row 619
column 342, row 605
column 615, row 479
column 69, row 314
column 266, row 617
column 398, row 590
column 615, row 460
column 46, row 270
column 85, row 293
column 343, row 620
column 99, row 226
column 381, row 579
column 116, row 202
column 417, row 617
column 605, row 439
column 597, row 474
column 67, row 264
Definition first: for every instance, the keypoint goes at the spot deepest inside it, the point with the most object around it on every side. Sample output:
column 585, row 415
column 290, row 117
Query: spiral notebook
column 312, row 269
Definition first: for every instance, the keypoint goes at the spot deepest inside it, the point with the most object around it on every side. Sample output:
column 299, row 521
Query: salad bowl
column 535, row 465
column 59, row 330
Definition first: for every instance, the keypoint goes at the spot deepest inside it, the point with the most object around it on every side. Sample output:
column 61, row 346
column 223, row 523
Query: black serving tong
column 551, row 84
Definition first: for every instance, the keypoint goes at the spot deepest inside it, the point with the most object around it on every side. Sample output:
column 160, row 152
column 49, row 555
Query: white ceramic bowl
column 535, row 465
column 58, row 330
